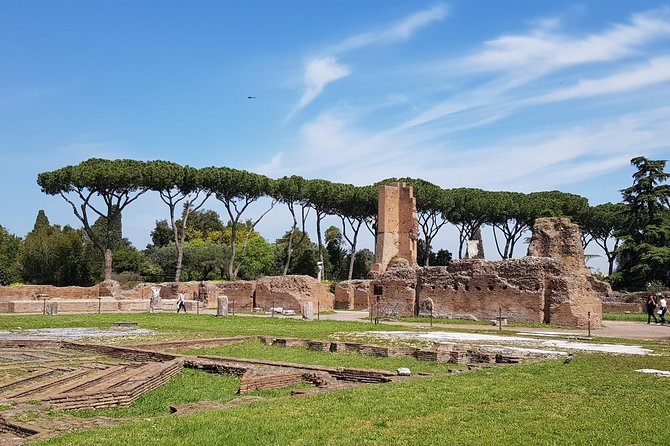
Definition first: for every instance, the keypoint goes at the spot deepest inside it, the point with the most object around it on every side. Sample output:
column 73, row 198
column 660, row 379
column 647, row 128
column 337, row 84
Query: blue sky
column 514, row 95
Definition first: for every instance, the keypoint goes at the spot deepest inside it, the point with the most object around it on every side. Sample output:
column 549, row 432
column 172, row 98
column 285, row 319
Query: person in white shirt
column 180, row 303
column 663, row 307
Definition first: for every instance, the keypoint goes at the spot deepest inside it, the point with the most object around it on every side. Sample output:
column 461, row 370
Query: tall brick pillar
column 397, row 227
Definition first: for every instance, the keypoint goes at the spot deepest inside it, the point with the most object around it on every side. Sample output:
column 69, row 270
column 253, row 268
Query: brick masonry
column 289, row 292
column 551, row 285
column 397, row 227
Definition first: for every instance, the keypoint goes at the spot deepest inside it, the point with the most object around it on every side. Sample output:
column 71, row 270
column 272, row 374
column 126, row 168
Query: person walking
column 182, row 306
column 651, row 308
column 662, row 307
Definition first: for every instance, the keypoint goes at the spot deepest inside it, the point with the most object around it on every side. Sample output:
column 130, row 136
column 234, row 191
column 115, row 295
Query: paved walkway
column 610, row 329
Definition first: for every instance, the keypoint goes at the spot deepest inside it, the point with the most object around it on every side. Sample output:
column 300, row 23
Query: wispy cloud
column 521, row 59
column 400, row 31
column 656, row 71
column 447, row 140
column 322, row 70
column 544, row 49
column 319, row 72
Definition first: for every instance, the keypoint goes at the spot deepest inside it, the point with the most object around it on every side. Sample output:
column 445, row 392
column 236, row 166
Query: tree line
column 99, row 190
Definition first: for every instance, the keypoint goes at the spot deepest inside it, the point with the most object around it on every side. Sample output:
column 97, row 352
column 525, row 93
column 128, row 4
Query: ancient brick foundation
column 289, row 292
column 551, row 285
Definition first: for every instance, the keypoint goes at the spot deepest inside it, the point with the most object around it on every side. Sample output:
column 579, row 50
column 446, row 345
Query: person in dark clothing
column 651, row 307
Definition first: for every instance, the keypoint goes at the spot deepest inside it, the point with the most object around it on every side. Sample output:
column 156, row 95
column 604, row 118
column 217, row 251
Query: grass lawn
column 188, row 326
column 596, row 400
column 642, row 317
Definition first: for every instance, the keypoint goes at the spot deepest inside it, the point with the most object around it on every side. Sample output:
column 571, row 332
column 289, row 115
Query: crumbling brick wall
column 291, row 292
column 352, row 295
column 551, row 285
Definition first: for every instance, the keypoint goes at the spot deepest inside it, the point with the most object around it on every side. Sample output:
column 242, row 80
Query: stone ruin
column 551, row 285
column 43, row 375
column 397, row 227
column 288, row 292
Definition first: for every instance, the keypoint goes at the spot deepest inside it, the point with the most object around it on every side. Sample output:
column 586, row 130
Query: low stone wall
column 33, row 292
column 147, row 378
column 242, row 292
column 251, row 383
column 130, row 353
column 105, row 305
column 292, row 292
column 624, row 307
column 289, row 292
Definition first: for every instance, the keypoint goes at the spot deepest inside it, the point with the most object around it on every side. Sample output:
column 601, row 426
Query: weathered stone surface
column 30, row 292
column 557, row 238
column 352, row 295
column 222, row 307
column 397, row 227
column 241, row 292
column 110, row 288
column 555, row 287
column 308, row 311
column 156, row 303
column 475, row 246
column 291, row 292
column 52, row 308
column 398, row 286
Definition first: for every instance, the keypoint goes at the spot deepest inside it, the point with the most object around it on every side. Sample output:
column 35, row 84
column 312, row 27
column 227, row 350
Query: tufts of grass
column 597, row 399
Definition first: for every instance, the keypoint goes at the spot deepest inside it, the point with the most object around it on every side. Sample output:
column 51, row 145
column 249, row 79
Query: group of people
column 655, row 307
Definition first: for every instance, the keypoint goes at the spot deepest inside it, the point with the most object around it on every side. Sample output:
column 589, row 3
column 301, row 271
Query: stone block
column 308, row 311
column 222, row 307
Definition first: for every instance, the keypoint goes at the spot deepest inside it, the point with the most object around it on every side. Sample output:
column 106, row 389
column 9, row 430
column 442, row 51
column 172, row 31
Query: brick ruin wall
column 397, row 227
column 551, row 285
column 289, row 292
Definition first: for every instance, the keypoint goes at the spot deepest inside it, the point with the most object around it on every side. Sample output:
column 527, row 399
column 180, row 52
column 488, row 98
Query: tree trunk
column 233, row 252
column 108, row 264
column 318, row 236
column 289, row 250
column 180, row 260
column 353, row 256
column 426, row 261
column 610, row 268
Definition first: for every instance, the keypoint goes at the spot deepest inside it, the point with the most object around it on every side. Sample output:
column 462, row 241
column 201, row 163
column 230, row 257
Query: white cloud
column 275, row 164
column 541, row 50
column 654, row 72
column 320, row 71
column 400, row 31
column 524, row 58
